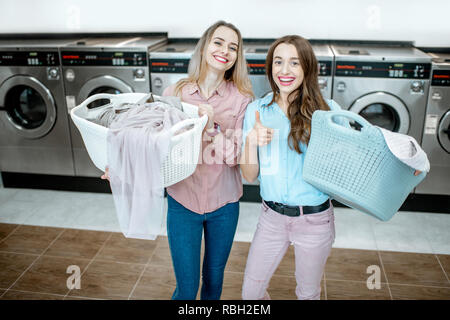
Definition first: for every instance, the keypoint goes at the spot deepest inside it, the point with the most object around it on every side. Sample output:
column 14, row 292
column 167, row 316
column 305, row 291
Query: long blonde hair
column 197, row 66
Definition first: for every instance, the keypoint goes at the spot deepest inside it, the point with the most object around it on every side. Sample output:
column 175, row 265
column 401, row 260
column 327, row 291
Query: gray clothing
column 110, row 113
column 137, row 145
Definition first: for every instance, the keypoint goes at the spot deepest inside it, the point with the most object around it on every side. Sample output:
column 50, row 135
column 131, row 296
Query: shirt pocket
column 226, row 119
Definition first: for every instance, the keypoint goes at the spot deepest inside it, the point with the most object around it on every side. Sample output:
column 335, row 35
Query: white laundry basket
column 184, row 148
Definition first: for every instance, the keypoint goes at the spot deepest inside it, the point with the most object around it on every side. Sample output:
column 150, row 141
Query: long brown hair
column 305, row 99
column 197, row 66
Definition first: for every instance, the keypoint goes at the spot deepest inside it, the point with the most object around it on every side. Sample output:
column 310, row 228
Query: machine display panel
column 383, row 70
column 86, row 58
column 169, row 65
column 28, row 58
column 441, row 78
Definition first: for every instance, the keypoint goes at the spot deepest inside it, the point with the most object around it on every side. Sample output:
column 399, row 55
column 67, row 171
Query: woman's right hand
column 105, row 176
column 209, row 111
column 261, row 134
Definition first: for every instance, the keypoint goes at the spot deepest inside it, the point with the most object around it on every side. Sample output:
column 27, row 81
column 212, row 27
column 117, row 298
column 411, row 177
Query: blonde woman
column 208, row 201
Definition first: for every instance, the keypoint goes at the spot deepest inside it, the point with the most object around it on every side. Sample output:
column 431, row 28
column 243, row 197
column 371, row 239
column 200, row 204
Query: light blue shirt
column 280, row 167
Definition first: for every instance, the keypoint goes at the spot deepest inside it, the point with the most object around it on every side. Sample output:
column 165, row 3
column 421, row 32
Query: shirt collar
column 193, row 88
column 266, row 100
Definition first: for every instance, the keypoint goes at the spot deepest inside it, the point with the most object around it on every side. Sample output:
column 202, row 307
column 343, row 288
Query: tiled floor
column 43, row 233
column 34, row 262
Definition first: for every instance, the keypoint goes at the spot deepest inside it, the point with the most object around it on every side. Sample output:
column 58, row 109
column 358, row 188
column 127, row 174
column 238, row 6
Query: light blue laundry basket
column 356, row 167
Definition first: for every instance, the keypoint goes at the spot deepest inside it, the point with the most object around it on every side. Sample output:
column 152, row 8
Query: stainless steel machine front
column 170, row 63
column 436, row 134
column 325, row 60
column 103, row 65
column 34, row 125
column 386, row 85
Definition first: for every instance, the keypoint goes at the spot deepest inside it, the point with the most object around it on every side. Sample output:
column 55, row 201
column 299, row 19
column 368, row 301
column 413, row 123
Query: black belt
column 294, row 211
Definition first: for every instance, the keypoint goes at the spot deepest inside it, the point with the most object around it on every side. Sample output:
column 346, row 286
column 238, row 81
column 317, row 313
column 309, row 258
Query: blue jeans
column 184, row 230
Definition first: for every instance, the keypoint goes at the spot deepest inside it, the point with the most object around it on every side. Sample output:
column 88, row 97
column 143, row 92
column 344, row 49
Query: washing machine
column 387, row 85
column 103, row 65
column 34, row 127
column 170, row 63
column 325, row 60
column 436, row 134
column 255, row 52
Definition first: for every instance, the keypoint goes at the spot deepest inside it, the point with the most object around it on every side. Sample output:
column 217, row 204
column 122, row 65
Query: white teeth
column 221, row 59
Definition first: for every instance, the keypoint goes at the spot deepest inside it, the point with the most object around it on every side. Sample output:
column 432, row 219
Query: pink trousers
column 312, row 236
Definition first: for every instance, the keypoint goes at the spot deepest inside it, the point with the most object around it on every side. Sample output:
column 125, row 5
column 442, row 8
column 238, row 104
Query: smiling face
column 221, row 53
column 287, row 71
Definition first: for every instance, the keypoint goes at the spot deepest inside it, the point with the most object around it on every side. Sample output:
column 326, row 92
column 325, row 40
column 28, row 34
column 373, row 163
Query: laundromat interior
column 387, row 61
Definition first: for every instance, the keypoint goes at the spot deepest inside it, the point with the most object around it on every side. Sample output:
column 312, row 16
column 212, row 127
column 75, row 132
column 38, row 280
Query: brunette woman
column 277, row 129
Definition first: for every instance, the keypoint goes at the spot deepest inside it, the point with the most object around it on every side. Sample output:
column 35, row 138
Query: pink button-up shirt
column 217, row 178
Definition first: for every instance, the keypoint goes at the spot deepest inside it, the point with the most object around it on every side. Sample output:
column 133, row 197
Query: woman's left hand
column 417, row 172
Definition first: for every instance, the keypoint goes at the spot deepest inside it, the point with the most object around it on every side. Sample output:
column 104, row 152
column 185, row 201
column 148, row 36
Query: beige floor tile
column 351, row 264
column 20, row 295
column 413, row 268
column 12, row 265
column 6, row 229
column 78, row 243
column 445, row 262
column 161, row 255
column 49, row 275
column 352, row 290
column 232, row 286
column 30, row 239
column 108, row 280
column 238, row 257
column 81, row 298
column 121, row 249
column 158, row 282
column 403, row 292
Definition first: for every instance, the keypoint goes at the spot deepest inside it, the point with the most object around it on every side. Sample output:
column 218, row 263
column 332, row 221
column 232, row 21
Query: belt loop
column 301, row 210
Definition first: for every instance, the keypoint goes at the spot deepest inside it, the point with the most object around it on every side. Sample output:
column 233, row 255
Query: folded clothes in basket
column 110, row 113
column 406, row 149
column 137, row 145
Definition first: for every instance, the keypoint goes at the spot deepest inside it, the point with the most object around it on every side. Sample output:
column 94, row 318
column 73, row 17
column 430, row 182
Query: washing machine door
column 102, row 84
column 444, row 132
column 28, row 107
column 384, row 110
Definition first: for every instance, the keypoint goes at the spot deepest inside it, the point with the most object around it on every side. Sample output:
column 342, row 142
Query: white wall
column 425, row 22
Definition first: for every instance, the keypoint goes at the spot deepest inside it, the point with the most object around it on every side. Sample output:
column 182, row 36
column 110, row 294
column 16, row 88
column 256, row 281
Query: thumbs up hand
column 261, row 134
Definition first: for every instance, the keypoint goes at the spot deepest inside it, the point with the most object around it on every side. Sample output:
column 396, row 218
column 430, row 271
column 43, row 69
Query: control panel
column 85, row 58
column 383, row 70
column 28, row 58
